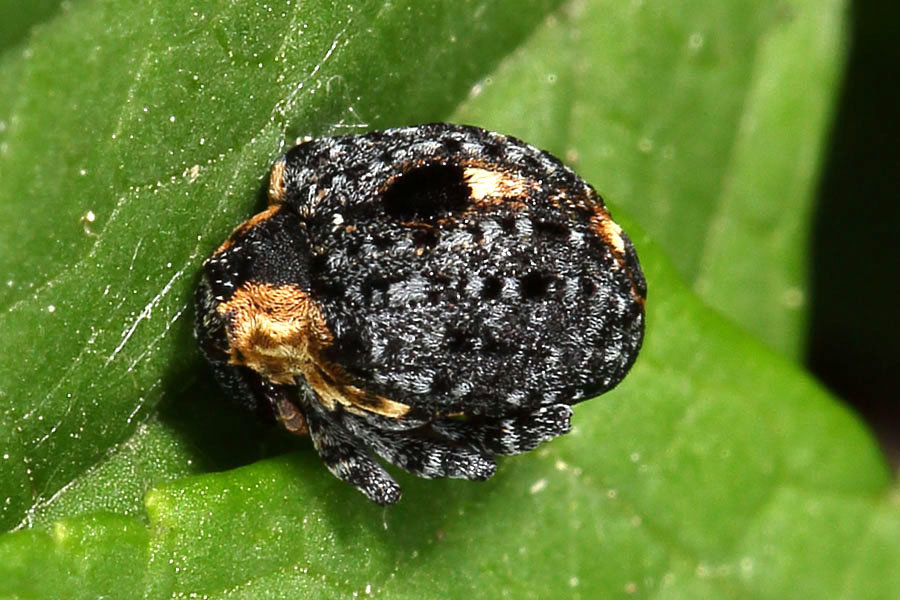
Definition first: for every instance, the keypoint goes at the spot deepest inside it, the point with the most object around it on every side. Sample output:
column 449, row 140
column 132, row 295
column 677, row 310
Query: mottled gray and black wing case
column 463, row 271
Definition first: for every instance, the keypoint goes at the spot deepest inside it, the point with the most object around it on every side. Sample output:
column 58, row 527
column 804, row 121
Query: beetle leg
column 347, row 458
column 420, row 452
column 513, row 435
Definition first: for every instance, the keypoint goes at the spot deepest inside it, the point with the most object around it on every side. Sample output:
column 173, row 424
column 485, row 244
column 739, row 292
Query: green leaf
column 95, row 557
column 688, row 481
column 20, row 17
column 717, row 469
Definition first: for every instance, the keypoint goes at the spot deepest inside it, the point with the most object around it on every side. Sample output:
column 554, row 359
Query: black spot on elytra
column 437, row 286
column 550, row 229
column 587, row 287
column 381, row 242
column 491, row 286
column 477, row 233
column 493, row 151
column 441, row 384
column 353, row 246
column 327, row 288
column 438, row 278
column 535, row 285
column 508, row 224
column 318, row 264
column 427, row 193
column 529, row 164
column 457, row 340
column 349, row 348
column 426, row 237
column 373, row 284
column 452, row 145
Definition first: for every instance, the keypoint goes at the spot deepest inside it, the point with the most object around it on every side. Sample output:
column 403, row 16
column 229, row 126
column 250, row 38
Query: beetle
column 434, row 295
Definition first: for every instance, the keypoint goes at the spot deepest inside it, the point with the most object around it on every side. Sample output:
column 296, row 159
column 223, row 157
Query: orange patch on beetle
column 246, row 226
column 279, row 331
column 601, row 224
column 277, row 185
column 490, row 186
column 333, row 388
column 274, row 330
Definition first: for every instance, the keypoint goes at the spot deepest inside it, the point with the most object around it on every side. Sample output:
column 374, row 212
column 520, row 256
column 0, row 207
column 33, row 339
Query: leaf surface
column 717, row 469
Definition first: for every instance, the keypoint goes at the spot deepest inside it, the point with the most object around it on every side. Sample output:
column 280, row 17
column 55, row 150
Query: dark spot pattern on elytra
column 438, row 322
column 426, row 192
column 535, row 285
column 491, row 286
column 550, row 228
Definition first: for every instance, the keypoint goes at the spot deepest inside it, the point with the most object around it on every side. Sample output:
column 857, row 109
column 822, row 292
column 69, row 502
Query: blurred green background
column 716, row 466
column 854, row 338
